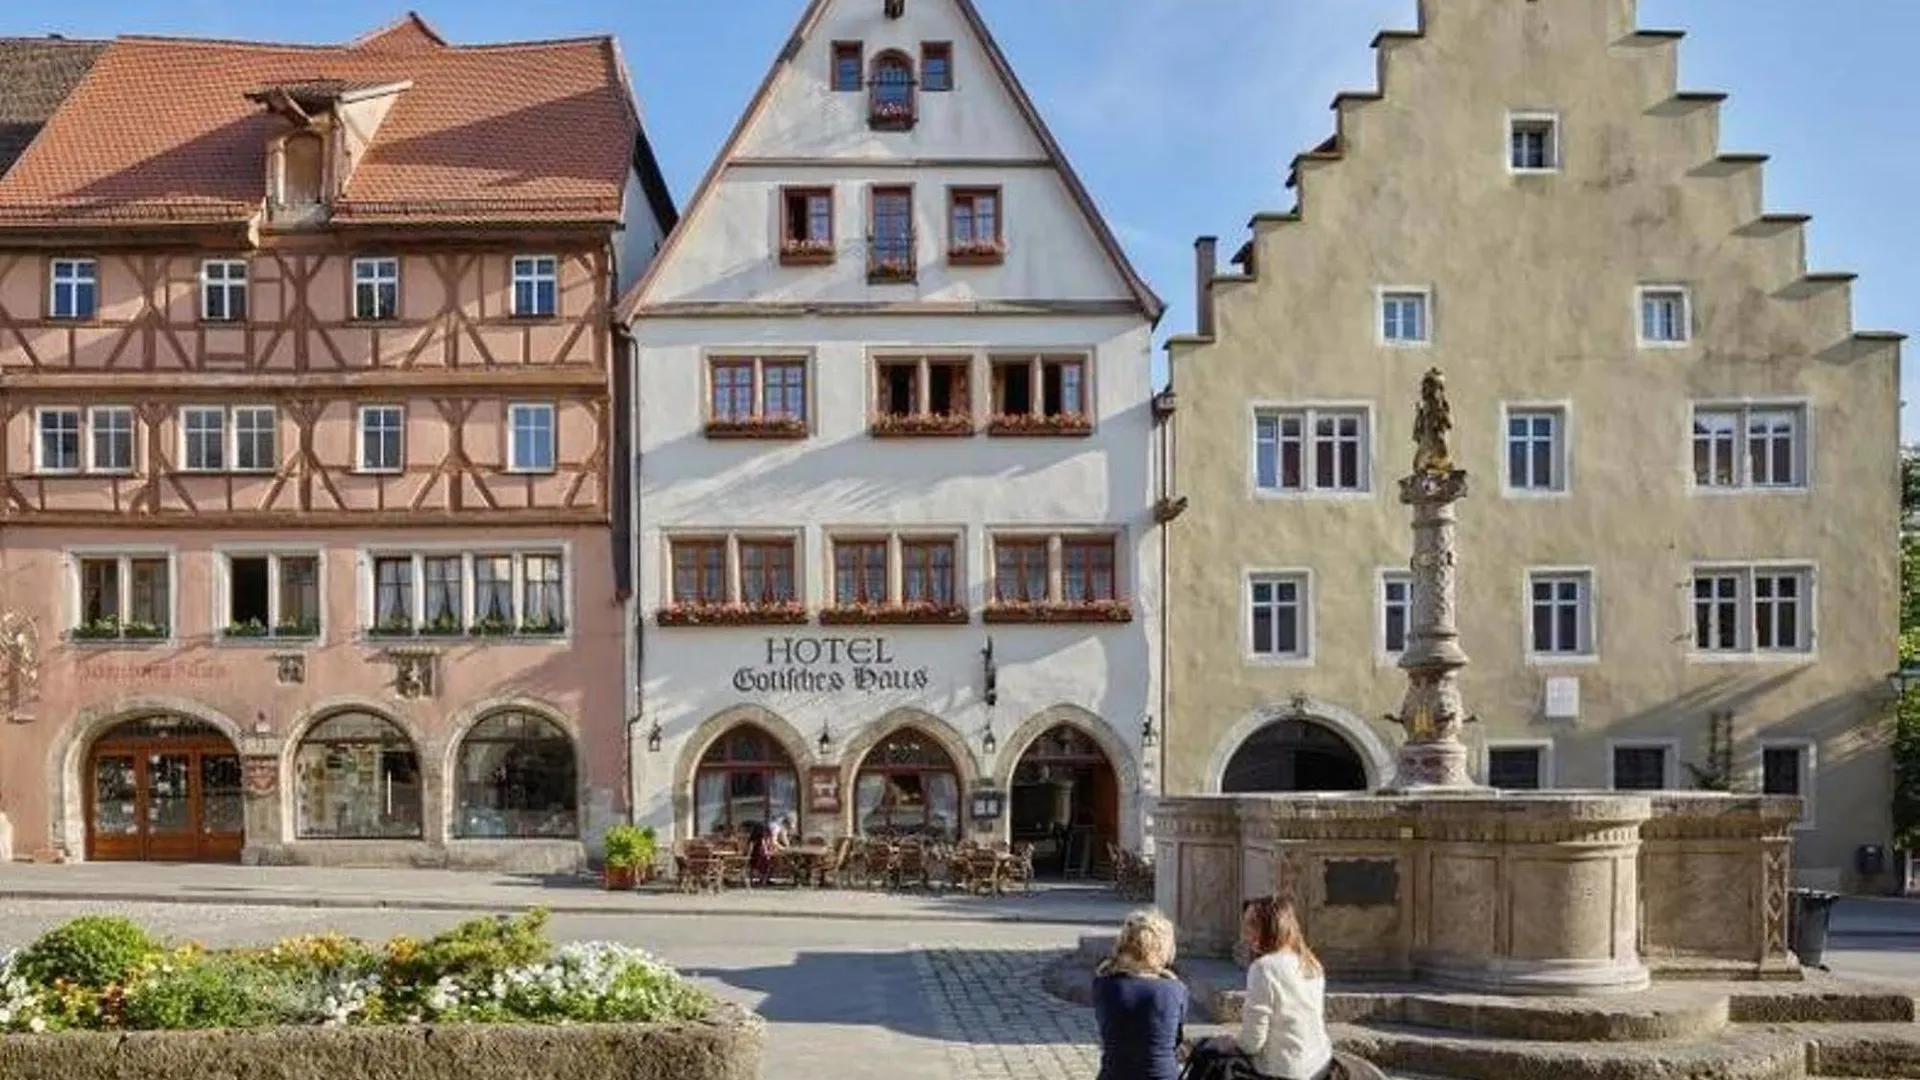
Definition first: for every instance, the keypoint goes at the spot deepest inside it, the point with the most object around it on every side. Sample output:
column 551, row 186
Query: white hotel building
column 894, row 519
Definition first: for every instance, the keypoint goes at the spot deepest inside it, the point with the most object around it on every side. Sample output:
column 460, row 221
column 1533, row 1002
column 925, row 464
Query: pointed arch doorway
column 1066, row 803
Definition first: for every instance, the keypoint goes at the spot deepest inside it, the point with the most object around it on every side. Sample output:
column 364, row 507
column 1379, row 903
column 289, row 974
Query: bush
column 475, row 951
column 630, row 847
column 92, row 952
column 189, row 990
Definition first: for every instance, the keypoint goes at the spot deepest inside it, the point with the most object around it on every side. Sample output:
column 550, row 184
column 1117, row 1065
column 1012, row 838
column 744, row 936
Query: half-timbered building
column 897, row 545
column 307, row 399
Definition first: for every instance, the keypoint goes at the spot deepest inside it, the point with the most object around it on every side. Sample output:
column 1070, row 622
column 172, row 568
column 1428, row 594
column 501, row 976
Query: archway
column 1065, row 801
column 744, row 778
column 164, row 788
column 516, row 777
column 357, row 777
column 1295, row 754
column 907, row 785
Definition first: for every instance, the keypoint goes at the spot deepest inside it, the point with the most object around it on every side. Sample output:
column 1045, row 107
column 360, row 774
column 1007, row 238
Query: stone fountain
column 1439, row 881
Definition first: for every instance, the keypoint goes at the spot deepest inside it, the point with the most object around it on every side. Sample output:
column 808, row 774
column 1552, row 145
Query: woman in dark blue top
column 1141, row 1007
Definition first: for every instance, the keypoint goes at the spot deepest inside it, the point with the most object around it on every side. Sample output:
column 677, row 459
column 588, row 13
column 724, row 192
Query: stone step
column 1882, row 1051
column 1731, row 1055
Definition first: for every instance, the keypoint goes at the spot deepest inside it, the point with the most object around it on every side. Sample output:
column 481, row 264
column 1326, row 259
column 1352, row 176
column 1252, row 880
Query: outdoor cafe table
column 808, row 862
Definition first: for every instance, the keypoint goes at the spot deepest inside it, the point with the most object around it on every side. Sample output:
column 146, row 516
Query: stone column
column 1432, row 713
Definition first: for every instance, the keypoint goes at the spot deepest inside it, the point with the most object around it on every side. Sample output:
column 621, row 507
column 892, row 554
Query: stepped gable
column 1720, row 166
column 1150, row 303
column 173, row 129
column 36, row 75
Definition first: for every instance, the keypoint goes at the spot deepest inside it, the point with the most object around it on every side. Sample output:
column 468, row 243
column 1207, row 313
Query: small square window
column 936, row 67
column 58, row 448
column 376, row 289
column 1665, row 317
column 531, row 438
column 253, row 439
column 536, row 286
column 1396, row 606
column 848, row 66
column 1536, row 451
column 75, row 293
column 1403, row 318
column 1516, row 768
column 223, row 290
column 382, row 438
column 1533, row 143
column 111, row 429
column 204, row 432
column 1562, row 614
column 1787, row 768
column 1641, row 768
column 1277, row 607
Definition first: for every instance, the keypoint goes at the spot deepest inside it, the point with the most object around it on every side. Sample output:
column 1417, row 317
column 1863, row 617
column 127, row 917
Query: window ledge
column 1259, row 660
column 130, row 641
column 542, row 317
column 1736, row 490
column 757, row 428
column 266, row 638
column 516, row 471
column 942, row 425
column 896, row 615
column 977, row 255
column 889, row 275
column 1066, row 425
column 806, row 255
column 1103, row 611
column 1752, row 657
column 1283, row 495
column 705, row 615
column 1547, row 660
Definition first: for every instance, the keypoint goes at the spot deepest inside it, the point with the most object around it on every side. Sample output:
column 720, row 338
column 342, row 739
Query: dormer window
column 891, row 103
column 302, row 165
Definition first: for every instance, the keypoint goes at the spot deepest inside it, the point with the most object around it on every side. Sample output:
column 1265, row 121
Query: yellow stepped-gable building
column 1678, row 559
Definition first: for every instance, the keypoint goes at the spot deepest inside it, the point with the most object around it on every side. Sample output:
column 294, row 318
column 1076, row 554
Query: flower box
column 891, row 271
column 891, row 115
column 779, row 427
column 393, row 629
column 1089, row 611
column 732, row 615
column 920, row 425
column 297, row 631
column 1029, row 424
column 806, row 252
column 918, row 614
column 547, row 628
column 491, row 627
column 981, row 253
column 143, row 632
column 248, row 629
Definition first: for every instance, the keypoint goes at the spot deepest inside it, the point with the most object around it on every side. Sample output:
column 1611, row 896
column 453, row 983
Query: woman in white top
column 1283, row 1025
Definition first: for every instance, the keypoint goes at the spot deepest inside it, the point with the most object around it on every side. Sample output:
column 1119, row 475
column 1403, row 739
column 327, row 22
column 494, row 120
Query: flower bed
column 106, row 974
column 1040, row 425
column 916, row 425
column 732, row 615
column 1092, row 611
column 911, row 614
column 769, row 427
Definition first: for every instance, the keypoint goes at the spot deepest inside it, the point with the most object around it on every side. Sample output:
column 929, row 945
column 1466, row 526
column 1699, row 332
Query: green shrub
column 475, row 950
column 629, row 847
column 215, row 990
column 93, row 951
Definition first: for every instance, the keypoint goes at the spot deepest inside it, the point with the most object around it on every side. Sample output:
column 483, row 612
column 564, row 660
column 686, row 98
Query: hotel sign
column 829, row 665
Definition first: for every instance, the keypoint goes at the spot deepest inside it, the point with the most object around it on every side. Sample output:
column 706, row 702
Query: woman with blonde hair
column 1140, row 1005
column 1283, row 1024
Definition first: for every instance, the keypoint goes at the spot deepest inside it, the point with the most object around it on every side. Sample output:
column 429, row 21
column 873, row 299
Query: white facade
column 1059, row 289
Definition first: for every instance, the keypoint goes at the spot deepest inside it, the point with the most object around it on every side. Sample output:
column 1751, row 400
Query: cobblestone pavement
column 870, row 1000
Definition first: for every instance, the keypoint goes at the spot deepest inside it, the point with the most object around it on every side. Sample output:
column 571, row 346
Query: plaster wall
column 1533, row 281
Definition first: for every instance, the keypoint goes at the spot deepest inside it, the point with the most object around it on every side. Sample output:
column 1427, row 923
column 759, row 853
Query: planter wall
column 725, row 1048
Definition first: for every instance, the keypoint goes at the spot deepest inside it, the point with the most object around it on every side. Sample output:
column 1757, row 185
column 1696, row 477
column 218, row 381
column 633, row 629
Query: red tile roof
column 162, row 129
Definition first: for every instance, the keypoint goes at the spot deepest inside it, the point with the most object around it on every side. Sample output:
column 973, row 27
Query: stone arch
column 66, row 760
column 966, row 766
column 463, row 723
column 433, row 823
column 710, row 730
column 1374, row 753
column 1120, row 755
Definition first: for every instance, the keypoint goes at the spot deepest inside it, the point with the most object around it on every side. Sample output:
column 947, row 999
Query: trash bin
column 1870, row 860
column 1808, row 922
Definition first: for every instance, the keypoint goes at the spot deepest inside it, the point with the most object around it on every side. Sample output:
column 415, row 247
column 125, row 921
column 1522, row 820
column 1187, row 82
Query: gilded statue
column 1431, row 426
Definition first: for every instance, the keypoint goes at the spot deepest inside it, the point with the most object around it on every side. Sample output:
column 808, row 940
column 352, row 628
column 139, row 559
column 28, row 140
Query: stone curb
column 349, row 903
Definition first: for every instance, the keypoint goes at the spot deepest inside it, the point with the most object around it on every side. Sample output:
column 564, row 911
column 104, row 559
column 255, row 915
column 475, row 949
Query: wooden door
column 164, row 792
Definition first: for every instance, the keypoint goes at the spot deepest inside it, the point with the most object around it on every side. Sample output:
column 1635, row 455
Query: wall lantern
column 654, row 737
column 1147, row 738
column 826, row 740
column 988, row 742
column 990, row 676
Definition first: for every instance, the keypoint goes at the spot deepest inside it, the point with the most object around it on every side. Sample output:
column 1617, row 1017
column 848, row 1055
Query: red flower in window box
column 891, row 269
column 915, row 613
column 787, row 613
column 917, row 425
column 1059, row 611
column 758, row 427
column 806, row 252
column 1031, row 424
column 977, row 252
column 891, row 114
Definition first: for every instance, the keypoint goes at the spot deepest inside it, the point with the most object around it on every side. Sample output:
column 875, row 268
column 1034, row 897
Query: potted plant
column 630, row 853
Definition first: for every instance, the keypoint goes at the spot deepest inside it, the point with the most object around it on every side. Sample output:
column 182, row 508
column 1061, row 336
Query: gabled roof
column 1150, row 304
column 163, row 129
column 36, row 75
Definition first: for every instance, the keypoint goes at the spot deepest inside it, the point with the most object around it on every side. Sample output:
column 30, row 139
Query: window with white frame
column 1787, row 768
column 272, row 595
column 253, row 439
column 1562, row 613
column 1403, row 317
column 76, row 291
column 382, row 438
column 203, row 432
column 376, row 289
column 1278, row 614
column 485, row 593
column 223, row 290
column 123, row 596
column 1665, row 316
column 1517, row 767
column 1774, row 454
column 531, row 438
column 1536, row 450
column 1745, row 609
column 1396, row 607
column 1642, row 767
column 1311, row 451
column 1533, row 142
column 110, row 432
column 536, row 286
column 57, row 450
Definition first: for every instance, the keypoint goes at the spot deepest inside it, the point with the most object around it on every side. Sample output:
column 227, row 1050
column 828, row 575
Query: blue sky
column 1181, row 115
